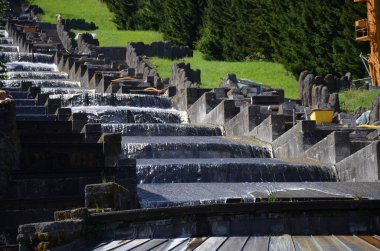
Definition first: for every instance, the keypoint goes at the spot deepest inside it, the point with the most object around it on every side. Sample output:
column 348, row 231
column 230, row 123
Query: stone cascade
column 150, row 130
column 54, row 163
column 98, row 116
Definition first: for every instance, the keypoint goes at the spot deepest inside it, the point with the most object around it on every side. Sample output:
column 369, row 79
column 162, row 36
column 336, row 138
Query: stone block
column 362, row 166
column 52, row 105
column 107, row 195
column 243, row 123
column 271, row 128
column 79, row 120
column 296, row 140
column 63, row 114
column 332, row 149
column 111, row 147
column 78, row 213
column 92, row 132
column 49, row 234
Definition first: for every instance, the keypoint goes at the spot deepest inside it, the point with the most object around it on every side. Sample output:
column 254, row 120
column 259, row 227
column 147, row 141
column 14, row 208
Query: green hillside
column 271, row 74
column 97, row 12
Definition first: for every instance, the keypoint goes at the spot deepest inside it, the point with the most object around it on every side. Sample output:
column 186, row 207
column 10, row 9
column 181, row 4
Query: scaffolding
column 368, row 30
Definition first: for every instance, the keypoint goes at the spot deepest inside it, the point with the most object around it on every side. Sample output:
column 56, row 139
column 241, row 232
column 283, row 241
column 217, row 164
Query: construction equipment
column 368, row 30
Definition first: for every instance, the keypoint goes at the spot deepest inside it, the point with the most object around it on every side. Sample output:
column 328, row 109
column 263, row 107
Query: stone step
column 187, row 194
column 43, row 137
column 35, row 117
column 163, row 129
column 230, row 170
column 44, row 126
column 31, row 110
column 192, row 147
column 25, row 102
column 125, row 114
column 18, row 94
column 11, row 89
column 36, row 155
column 36, row 75
column 50, row 187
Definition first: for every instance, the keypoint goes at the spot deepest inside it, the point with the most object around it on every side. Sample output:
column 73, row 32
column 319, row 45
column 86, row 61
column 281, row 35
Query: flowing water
column 7, row 57
column 50, row 83
column 163, row 129
column 168, row 149
column 105, row 99
column 30, row 66
column 36, row 75
column 229, row 170
column 9, row 48
column 126, row 114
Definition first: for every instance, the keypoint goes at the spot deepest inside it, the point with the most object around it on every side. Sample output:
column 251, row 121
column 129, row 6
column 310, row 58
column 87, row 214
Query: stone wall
column 64, row 35
column 245, row 121
column 296, row 141
column 86, row 44
column 136, row 60
column 375, row 112
column 78, row 24
column 362, row 165
column 319, row 92
column 9, row 144
column 162, row 49
column 184, row 77
column 332, row 149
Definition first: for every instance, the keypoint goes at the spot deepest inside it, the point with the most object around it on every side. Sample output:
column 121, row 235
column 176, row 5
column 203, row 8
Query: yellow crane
column 368, row 30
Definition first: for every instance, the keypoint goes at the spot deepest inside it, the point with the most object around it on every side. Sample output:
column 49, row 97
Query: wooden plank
column 233, row 243
column 329, row 243
column 281, row 243
column 111, row 245
column 130, row 245
column 190, row 244
column 356, row 244
column 150, row 244
column 371, row 240
column 257, row 243
column 304, row 243
column 211, row 244
column 169, row 245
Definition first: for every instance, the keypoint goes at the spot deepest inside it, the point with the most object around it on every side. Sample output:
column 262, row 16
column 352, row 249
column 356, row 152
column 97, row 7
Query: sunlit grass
column 97, row 12
column 352, row 99
column 268, row 73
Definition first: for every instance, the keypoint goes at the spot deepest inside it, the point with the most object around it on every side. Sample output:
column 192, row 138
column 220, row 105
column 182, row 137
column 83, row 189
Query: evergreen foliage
column 317, row 35
column 314, row 35
column 182, row 21
column 125, row 13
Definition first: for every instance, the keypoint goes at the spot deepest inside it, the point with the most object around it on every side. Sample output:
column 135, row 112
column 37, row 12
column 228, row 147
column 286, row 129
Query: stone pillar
column 9, row 144
column 63, row 114
column 111, row 148
column 92, row 132
column 79, row 120
column 107, row 195
column 52, row 105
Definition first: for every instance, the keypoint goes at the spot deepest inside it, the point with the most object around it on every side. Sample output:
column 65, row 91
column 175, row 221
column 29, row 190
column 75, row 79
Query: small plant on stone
column 272, row 196
column 358, row 196
column 98, row 209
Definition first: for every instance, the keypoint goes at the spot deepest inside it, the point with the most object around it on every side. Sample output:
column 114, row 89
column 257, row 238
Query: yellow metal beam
column 369, row 30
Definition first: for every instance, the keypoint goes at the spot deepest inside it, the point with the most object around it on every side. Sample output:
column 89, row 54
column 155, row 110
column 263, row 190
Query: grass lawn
column 352, row 99
column 97, row 12
column 270, row 74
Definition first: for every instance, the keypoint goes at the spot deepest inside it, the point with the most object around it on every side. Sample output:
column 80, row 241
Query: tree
column 124, row 11
column 315, row 35
column 182, row 21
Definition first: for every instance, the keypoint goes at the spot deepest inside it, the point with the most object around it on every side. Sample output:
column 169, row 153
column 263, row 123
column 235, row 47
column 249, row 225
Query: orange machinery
column 368, row 30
